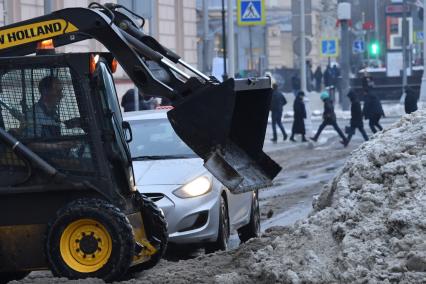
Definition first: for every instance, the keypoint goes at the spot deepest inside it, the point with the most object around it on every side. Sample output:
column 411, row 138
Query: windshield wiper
column 161, row 157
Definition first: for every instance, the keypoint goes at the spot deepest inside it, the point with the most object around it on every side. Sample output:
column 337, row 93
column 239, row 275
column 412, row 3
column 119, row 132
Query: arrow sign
column 358, row 46
column 329, row 48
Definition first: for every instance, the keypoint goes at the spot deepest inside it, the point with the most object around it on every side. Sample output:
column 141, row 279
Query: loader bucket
column 225, row 125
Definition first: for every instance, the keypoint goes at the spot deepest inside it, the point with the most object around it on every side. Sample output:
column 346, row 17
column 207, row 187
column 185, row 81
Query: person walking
column 335, row 75
column 145, row 102
column 277, row 103
column 373, row 110
column 327, row 77
column 356, row 118
column 329, row 118
column 295, row 84
column 309, row 76
column 299, row 116
column 318, row 78
column 128, row 100
column 411, row 99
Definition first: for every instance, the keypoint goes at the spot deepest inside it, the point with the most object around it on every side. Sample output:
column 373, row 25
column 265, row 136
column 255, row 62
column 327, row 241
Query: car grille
column 154, row 196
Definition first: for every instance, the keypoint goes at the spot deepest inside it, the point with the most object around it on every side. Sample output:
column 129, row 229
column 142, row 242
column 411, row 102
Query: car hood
column 167, row 172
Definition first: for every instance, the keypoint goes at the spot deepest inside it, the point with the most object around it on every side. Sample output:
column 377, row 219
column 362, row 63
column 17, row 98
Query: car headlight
column 197, row 187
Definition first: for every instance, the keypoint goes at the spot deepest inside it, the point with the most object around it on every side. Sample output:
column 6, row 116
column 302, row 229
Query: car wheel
column 90, row 238
column 252, row 229
column 5, row 277
column 223, row 231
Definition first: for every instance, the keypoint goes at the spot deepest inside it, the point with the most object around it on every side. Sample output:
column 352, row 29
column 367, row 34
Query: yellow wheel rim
column 85, row 245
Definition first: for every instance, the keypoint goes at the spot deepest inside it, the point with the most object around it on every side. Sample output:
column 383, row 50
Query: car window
column 156, row 138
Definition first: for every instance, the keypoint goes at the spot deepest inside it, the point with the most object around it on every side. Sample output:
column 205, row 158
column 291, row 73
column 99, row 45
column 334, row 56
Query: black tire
column 117, row 239
column 5, row 277
column 224, row 230
column 252, row 229
column 156, row 229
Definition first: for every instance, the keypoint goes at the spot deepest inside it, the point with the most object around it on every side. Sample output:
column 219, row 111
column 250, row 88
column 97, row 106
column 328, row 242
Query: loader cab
column 64, row 107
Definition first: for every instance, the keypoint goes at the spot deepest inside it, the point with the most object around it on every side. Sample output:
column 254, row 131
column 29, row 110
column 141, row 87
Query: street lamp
column 423, row 86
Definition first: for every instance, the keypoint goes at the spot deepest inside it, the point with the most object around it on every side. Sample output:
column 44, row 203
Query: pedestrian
column 166, row 102
column 145, row 102
column 356, row 118
column 148, row 103
column 335, row 74
column 329, row 118
column 411, row 98
column 128, row 100
column 318, row 78
column 277, row 103
column 367, row 82
column 295, row 84
column 327, row 76
column 309, row 75
column 299, row 117
column 373, row 110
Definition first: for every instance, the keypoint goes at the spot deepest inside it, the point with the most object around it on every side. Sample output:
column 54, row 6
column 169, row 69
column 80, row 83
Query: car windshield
column 155, row 139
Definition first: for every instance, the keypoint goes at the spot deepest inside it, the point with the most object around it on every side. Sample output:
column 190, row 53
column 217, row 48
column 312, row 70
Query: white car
column 198, row 208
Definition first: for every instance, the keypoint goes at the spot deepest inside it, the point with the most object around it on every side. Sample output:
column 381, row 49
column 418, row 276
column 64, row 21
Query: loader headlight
column 197, row 187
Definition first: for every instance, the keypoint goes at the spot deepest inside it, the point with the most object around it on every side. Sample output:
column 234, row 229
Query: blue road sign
column 419, row 36
column 251, row 12
column 358, row 46
column 329, row 48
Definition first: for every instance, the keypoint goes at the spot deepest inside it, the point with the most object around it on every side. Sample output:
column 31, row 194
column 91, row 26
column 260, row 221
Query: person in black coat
column 329, row 118
column 145, row 102
column 411, row 98
column 318, row 78
column 299, row 116
column 373, row 111
column 277, row 103
column 128, row 100
column 295, row 84
column 327, row 77
column 356, row 117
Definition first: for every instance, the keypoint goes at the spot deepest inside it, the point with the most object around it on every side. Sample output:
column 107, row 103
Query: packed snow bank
column 368, row 225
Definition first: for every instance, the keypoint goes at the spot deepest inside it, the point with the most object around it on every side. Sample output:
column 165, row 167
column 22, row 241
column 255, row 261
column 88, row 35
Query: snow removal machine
column 68, row 200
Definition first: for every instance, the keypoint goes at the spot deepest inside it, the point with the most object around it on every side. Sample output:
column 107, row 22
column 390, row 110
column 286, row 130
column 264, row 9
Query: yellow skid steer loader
column 68, row 200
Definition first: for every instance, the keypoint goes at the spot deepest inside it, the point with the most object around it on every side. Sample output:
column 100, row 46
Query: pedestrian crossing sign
column 251, row 12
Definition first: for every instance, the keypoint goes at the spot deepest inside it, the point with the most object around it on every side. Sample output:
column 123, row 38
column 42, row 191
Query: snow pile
column 369, row 223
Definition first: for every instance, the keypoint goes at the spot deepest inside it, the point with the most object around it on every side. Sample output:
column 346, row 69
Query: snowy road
column 306, row 168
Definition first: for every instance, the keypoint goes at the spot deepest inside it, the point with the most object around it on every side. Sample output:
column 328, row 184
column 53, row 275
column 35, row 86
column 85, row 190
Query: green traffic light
column 374, row 48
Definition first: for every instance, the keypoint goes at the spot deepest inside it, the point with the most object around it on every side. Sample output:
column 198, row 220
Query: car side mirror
column 127, row 131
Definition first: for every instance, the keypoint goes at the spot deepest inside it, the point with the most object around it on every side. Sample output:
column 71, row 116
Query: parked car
column 198, row 208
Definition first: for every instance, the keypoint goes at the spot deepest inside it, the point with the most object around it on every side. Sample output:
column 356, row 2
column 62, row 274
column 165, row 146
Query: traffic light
column 374, row 48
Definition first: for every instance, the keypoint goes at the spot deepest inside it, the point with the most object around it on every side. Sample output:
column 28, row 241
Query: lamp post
column 231, row 39
column 404, row 47
column 423, row 86
column 225, row 76
column 47, row 7
column 344, row 15
column 302, row 47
